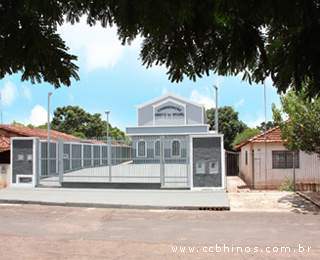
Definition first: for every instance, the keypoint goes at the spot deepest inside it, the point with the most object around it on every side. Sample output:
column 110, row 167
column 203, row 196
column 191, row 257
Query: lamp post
column 109, row 144
column 48, row 146
column 216, row 111
column 265, row 132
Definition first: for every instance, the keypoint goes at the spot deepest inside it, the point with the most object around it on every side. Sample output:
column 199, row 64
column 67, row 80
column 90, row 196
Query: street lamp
column 216, row 111
column 49, row 95
column 107, row 112
column 109, row 144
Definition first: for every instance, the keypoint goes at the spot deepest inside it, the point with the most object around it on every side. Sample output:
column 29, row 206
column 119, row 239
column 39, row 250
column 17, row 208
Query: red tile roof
column 273, row 136
column 5, row 143
column 24, row 131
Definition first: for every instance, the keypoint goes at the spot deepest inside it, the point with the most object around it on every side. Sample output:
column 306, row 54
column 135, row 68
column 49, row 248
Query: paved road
column 49, row 232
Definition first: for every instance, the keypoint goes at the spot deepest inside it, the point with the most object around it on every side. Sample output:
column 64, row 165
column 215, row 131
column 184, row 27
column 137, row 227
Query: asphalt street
column 53, row 232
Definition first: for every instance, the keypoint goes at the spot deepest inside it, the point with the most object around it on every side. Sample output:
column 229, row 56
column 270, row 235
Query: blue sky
column 113, row 78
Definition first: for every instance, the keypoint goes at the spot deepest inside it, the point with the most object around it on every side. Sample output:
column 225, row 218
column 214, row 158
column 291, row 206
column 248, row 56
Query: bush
column 287, row 185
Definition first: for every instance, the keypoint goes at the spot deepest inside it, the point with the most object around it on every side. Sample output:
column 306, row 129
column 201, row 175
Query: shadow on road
column 299, row 204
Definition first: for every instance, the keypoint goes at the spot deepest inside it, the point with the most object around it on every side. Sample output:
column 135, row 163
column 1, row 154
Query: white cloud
column 27, row 92
column 254, row 123
column 203, row 98
column 99, row 47
column 269, row 82
column 71, row 96
column 39, row 116
column 9, row 94
column 239, row 103
column 218, row 81
column 164, row 90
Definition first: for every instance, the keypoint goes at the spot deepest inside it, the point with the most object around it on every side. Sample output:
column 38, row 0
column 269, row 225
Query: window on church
column 175, row 149
column 142, row 148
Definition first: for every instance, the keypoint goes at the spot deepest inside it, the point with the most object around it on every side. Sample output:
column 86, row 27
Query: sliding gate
column 156, row 162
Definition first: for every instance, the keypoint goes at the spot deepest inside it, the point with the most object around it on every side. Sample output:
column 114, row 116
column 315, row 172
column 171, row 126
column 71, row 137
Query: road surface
column 50, row 232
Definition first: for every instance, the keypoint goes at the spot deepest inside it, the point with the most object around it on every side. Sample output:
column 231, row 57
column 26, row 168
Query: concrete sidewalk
column 115, row 198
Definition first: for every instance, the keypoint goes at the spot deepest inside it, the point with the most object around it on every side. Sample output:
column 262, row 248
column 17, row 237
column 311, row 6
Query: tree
column 79, row 134
column 249, row 132
column 228, row 122
column 44, row 126
column 17, row 123
column 29, row 43
column 270, row 124
column 259, row 38
column 299, row 119
column 191, row 38
column 73, row 119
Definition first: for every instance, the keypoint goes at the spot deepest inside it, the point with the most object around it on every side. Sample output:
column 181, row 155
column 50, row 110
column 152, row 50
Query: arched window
column 175, row 148
column 157, row 148
column 141, row 147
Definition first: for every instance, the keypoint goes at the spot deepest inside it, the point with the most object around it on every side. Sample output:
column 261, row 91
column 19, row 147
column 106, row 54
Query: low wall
column 4, row 175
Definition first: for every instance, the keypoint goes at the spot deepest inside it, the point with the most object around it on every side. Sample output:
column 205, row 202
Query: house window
column 157, row 148
column 175, row 148
column 142, row 148
column 284, row 159
column 246, row 157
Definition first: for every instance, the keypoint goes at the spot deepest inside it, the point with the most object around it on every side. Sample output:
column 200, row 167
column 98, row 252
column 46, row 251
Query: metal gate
column 232, row 163
column 156, row 160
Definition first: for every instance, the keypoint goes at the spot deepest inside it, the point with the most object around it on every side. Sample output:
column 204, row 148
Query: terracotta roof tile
column 24, row 131
column 273, row 136
column 35, row 132
column 5, row 143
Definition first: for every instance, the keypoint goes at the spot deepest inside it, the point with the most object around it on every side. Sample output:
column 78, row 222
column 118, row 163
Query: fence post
column 109, row 157
column 294, row 172
column 162, row 161
column 260, row 170
column 60, row 159
column 37, row 161
column 188, row 160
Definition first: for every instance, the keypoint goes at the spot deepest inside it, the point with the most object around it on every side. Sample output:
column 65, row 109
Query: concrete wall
column 207, row 150
column 4, row 176
column 20, row 163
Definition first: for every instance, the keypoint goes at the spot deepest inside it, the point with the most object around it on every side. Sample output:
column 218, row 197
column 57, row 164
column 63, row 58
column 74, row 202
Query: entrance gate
column 99, row 163
column 154, row 162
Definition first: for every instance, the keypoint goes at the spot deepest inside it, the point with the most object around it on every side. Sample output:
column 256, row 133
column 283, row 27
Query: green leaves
column 229, row 124
column 76, row 121
column 249, row 132
column 191, row 38
column 29, row 43
column 299, row 121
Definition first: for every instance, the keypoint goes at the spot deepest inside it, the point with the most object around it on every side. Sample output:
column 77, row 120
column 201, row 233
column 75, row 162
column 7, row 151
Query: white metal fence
column 162, row 159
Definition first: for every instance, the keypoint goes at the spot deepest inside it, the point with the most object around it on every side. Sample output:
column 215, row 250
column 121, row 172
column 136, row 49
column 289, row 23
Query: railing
column 163, row 160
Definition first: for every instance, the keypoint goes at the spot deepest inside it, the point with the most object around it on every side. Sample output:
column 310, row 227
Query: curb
column 117, row 206
column 308, row 198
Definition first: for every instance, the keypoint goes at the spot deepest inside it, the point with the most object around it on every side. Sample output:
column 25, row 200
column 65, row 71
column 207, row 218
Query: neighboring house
column 268, row 147
column 8, row 131
column 5, row 144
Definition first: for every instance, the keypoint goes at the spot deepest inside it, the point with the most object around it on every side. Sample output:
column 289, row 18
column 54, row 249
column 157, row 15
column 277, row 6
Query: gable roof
column 273, row 136
column 24, row 131
column 169, row 95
